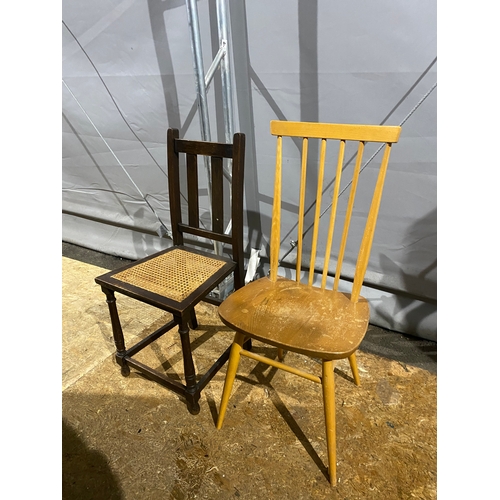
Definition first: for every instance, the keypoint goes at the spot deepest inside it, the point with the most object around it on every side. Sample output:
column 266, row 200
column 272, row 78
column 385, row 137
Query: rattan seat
column 174, row 274
column 179, row 277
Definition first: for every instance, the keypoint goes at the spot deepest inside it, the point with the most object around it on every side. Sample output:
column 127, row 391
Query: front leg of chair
column 192, row 393
column 234, row 361
column 328, row 384
column 354, row 368
column 117, row 331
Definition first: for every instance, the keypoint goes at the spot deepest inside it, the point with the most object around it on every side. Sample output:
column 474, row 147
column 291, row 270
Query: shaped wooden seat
column 178, row 278
column 279, row 312
column 309, row 318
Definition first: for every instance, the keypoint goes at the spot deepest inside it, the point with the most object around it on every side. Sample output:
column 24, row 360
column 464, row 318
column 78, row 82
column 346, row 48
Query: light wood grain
column 349, row 132
column 328, row 385
column 333, row 213
column 275, row 226
column 302, row 200
column 296, row 317
column 317, row 211
column 347, row 220
column 366, row 243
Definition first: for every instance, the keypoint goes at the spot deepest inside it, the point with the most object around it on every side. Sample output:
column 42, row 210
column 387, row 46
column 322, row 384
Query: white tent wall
column 128, row 76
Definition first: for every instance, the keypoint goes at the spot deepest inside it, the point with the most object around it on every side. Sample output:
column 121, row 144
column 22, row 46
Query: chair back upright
column 217, row 152
column 361, row 134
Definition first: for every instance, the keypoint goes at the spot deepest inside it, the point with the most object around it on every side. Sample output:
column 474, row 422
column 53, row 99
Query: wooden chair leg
column 281, row 354
column 328, row 384
column 193, row 321
column 117, row 331
column 234, row 360
column 192, row 393
column 354, row 368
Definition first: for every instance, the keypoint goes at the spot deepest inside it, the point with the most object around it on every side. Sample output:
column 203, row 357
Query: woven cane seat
column 174, row 274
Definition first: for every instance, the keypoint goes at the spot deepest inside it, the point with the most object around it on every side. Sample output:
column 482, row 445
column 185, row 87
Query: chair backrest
column 216, row 152
column 343, row 134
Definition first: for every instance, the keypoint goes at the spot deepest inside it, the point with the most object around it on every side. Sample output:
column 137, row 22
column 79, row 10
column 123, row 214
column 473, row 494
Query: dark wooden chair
column 313, row 320
column 177, row 279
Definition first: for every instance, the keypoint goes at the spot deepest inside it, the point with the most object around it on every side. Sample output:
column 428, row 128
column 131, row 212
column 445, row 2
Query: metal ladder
column 221, row 60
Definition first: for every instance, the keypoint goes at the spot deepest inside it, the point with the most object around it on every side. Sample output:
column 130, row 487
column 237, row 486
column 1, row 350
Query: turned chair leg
column 117, row 331
column 354, row 368
column 234, row 360
column 192, row 393
column 328, row 384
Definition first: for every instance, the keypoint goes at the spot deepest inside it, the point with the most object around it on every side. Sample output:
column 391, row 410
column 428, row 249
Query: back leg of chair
column 193, row 321
column 354, row 368
column 328, row 384
column 234, row 361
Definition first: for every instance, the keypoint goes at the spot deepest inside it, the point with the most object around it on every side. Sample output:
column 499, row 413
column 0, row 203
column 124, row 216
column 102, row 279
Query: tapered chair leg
column 354, row 368
column 328, row 384
column 234, row 361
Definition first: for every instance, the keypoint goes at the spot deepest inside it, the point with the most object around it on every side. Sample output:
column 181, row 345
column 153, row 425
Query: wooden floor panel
column 129, row 438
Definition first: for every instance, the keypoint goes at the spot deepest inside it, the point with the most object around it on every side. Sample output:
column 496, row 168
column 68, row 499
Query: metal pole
column 227, row 89
column 202, row 83
column 201, row 91
column 227, row 100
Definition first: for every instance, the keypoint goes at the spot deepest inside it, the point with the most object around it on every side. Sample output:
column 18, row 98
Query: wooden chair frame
column 124, row 280
column 261, row 309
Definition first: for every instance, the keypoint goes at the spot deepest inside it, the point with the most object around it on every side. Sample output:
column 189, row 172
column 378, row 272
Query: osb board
column 129, row 438
column 87, row 338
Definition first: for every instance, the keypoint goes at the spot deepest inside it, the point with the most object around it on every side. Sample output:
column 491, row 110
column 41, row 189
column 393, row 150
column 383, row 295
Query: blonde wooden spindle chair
column 315, row 321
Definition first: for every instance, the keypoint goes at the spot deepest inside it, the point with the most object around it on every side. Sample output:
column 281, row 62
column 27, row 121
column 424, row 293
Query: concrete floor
column 129, row 438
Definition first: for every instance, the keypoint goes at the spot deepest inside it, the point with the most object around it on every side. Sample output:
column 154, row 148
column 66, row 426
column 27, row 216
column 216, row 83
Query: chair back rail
column 324, row 132
column 216, row 152
column 192, row 186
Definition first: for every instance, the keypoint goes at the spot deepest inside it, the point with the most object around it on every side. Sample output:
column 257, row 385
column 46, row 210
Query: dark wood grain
column 183, row 310
column 192, row 184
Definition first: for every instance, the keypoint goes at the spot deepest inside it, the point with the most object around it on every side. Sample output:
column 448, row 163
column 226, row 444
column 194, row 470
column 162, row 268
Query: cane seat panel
column 174, row 274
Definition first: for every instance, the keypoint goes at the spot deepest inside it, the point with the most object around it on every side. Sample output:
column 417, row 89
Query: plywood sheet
column 129, row 438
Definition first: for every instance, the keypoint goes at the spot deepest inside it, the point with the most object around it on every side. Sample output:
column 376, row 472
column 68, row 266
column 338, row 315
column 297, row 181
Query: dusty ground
column 129, row 438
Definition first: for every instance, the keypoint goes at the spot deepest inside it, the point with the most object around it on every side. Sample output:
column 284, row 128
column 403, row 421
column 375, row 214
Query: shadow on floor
column 86, row 473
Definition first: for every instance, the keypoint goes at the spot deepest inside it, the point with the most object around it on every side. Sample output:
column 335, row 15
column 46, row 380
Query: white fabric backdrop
column 128, row 72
